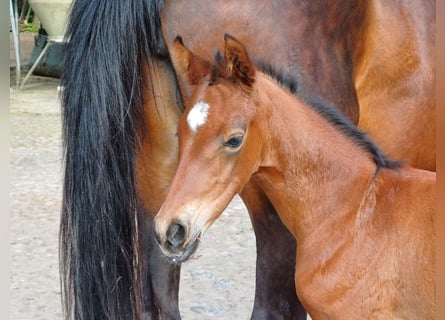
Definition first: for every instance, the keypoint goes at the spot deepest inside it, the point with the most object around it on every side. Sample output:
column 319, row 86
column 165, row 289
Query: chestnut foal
column 364, row 224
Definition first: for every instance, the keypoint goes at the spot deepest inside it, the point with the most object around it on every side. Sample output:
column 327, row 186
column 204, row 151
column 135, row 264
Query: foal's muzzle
column 173, row 242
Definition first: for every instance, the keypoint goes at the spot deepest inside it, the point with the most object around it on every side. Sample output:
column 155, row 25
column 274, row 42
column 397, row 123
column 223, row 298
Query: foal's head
column 219, row 144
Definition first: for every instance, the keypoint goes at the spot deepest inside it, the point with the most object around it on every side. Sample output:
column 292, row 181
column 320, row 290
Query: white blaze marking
column 198, row 115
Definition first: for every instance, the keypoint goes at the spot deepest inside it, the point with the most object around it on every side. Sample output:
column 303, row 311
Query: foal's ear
column 239, row 65
column 190, row 68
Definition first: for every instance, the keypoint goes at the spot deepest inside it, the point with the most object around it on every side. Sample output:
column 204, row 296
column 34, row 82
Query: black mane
column 290, row 82
column 331, row 113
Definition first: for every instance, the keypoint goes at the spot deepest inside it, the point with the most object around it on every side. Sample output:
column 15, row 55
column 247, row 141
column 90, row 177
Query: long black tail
column 101, row 110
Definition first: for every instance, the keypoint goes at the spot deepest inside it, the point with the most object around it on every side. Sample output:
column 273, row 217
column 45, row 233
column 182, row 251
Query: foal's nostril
column 176, row 234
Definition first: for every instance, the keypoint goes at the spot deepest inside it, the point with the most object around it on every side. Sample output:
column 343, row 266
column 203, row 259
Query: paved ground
column 217, row 284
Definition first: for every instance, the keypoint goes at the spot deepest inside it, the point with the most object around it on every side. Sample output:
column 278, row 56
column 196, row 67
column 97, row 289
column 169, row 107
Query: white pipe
column 15, row 34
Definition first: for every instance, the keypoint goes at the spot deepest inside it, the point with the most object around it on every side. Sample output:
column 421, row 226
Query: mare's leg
column 159, row 277
column 156, row 166
column 275, row 295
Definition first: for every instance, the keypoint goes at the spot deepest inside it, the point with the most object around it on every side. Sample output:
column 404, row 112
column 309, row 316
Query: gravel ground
column 35, row 197
column 218, row 283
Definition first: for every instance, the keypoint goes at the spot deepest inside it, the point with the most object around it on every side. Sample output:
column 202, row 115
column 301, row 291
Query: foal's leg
column 275, row 295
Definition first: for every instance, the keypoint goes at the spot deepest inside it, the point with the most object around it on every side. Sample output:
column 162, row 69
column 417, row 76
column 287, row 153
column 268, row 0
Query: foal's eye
column 234, row 142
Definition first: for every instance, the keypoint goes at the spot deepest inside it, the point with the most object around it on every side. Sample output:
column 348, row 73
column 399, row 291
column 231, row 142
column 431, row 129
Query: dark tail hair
column 101, row 112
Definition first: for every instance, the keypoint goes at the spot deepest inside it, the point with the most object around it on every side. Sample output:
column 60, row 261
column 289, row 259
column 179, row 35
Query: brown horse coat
column 365, row 236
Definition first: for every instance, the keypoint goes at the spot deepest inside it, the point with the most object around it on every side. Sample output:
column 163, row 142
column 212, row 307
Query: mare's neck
column 313, row 174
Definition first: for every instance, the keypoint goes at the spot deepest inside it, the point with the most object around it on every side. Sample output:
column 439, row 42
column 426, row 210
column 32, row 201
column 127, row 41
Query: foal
column 363, row 224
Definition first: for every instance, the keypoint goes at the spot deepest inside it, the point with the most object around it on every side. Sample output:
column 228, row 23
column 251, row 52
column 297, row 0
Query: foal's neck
column 312, row 172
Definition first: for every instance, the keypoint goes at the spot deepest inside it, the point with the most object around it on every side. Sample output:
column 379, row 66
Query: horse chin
column 186, row 253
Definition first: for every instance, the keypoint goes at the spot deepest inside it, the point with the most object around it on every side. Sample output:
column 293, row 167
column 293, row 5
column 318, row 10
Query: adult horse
column 364, row 224
column 121, row 105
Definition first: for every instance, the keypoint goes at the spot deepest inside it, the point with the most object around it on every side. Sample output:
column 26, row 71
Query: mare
column 372, row 58
column 364, row 224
